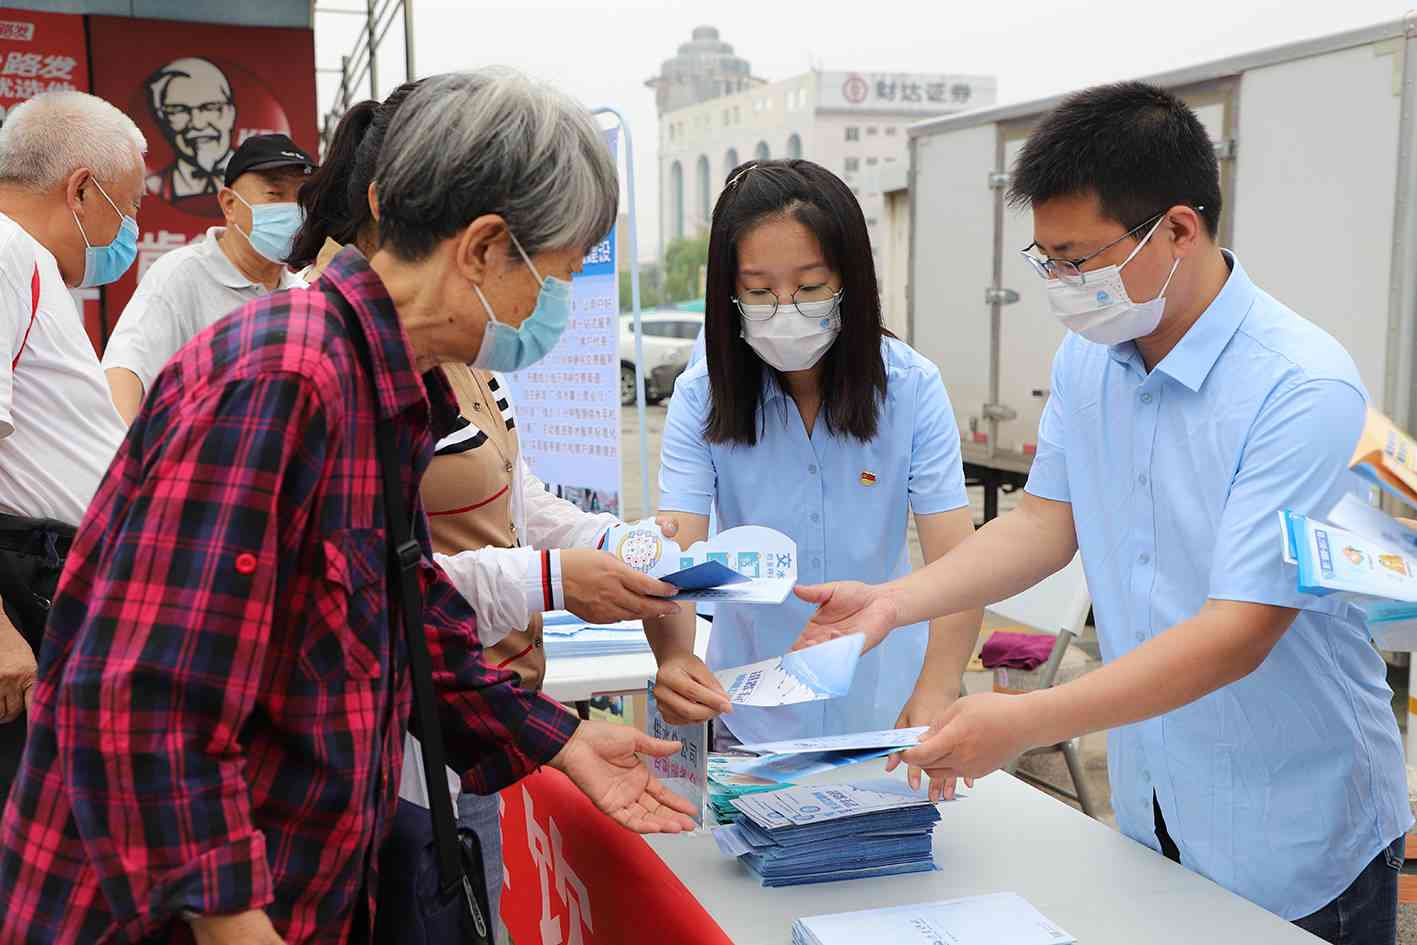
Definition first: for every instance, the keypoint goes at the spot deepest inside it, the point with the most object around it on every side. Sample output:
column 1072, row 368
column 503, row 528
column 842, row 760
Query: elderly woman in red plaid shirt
column 218, row 725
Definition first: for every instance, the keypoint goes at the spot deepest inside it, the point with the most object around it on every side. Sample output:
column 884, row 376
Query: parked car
column 668, row 338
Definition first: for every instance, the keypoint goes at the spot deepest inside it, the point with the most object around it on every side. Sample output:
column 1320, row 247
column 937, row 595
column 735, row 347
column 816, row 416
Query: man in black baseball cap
column 194, row 286
column 269, row 153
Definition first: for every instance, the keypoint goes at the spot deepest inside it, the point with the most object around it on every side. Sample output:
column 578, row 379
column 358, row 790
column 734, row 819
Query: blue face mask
column 106, row 264
column 505, row 348
column 273, row 228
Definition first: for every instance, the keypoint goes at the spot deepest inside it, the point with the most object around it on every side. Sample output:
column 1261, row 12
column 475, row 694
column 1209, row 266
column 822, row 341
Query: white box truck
column 1316, row 143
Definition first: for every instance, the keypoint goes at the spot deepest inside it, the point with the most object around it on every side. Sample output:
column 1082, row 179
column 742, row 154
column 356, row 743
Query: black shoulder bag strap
column 406, row 600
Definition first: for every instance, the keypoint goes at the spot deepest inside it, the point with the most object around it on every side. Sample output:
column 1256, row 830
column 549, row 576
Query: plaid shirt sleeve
column 496, row 733
column 151, row 704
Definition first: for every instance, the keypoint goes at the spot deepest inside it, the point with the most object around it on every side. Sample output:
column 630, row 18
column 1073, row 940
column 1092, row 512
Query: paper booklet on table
column 749, row 564
column 567, row 636
column 800, row 758
column 998, row 919
column 828, row 833
column 824, row 671
column 1387, row 457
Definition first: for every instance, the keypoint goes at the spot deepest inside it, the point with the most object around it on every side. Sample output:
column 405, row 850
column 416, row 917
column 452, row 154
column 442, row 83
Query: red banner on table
column 197, row 91
column 575, row 877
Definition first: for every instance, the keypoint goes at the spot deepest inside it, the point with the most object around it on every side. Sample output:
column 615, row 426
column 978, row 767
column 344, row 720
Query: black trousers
column 32, row 553
column 1364, row 914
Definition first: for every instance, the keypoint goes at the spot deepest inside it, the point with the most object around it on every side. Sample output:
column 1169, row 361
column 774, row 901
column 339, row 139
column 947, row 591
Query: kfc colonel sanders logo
column 203, row 110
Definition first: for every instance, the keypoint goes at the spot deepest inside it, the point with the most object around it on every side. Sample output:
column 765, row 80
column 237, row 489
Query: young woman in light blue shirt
column 808, row 417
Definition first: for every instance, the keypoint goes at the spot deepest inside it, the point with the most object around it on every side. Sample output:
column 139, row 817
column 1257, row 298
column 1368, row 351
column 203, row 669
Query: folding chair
column 1057, row 606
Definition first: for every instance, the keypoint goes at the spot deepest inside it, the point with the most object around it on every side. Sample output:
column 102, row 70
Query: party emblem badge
column 868, row 478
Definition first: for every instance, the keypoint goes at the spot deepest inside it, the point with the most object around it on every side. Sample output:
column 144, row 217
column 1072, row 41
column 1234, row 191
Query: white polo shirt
column 182, row 294
column 58, row 426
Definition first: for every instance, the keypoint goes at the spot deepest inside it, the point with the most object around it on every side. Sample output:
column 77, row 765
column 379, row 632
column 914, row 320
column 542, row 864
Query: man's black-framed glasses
column 1069, row 271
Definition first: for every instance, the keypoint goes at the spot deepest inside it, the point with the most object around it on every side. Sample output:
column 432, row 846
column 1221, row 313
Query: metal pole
column 408, row 40
column 635, row 306
column 996, row 309
column 373, row 57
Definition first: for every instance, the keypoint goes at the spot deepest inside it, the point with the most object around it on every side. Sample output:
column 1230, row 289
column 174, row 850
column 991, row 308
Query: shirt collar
column 398, row 385
column 221, row 268
column 1190, row 362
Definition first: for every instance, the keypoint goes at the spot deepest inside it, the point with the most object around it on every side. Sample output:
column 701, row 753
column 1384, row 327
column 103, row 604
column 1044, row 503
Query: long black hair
column 853, row 382
column 336, row 197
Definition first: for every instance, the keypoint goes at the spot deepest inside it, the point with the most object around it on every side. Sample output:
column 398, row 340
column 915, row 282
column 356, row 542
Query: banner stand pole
column 633, row 227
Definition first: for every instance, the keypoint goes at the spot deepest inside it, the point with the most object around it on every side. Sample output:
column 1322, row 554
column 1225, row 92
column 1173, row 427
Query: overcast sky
column 603, row 52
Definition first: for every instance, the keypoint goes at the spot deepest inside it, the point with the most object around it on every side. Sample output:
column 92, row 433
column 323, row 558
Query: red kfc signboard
column 197, row 91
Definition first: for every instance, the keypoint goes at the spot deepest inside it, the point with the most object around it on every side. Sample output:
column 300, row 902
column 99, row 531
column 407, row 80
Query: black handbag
column 426, row 892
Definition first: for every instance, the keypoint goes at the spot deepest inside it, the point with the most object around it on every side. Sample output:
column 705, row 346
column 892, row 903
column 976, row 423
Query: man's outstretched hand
column 843, row 608
column 601, row 759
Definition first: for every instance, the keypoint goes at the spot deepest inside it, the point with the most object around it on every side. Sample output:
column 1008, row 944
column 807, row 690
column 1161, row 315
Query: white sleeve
column 14, row 320
column 552, row 522
column 505, row 586
column 148, row 334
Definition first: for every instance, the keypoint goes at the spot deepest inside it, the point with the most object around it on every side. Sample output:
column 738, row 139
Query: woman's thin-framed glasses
column 1069, row 271
column 750, row 302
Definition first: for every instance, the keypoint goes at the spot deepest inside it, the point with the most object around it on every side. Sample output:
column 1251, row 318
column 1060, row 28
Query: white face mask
column 1100, row 309
column 797, row 336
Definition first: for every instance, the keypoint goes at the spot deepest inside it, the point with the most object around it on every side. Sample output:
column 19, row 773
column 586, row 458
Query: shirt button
column 245, row 563
column 812, row 469
column 1146, row 775
column 816, row 562
column 1146, row 398
column 1141, row 637
column 816, row 517
column 1145, row 558
column 508, row 467
column 1142, row 479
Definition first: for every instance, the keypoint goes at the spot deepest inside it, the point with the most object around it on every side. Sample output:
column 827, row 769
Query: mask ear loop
column 525, row 258
column 490, row 314
column 1146, row 239
column 1167, row 284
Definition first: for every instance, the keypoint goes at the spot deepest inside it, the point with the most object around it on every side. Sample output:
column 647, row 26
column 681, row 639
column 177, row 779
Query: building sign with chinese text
column 40, row 52
column 928, row 94
column 568, row 403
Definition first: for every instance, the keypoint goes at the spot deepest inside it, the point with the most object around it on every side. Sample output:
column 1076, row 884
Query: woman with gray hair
column 225, row 703
column 512, row 548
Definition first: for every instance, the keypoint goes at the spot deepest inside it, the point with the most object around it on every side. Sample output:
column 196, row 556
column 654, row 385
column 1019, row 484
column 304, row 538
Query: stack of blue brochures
column 825, row 833
column 567, row 637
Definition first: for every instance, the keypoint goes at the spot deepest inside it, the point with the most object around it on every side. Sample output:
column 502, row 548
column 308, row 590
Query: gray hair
column 48, row 137
column 494, row 141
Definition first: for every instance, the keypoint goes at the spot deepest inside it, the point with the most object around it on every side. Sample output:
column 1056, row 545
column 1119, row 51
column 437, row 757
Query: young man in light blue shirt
column 1252, row 735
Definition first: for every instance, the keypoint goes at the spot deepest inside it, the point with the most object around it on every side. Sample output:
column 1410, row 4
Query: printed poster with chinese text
column 568, row 404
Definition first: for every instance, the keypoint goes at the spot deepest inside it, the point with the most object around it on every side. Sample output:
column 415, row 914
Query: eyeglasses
column 1069, row 271
column 210, row 111
column 805, row 294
